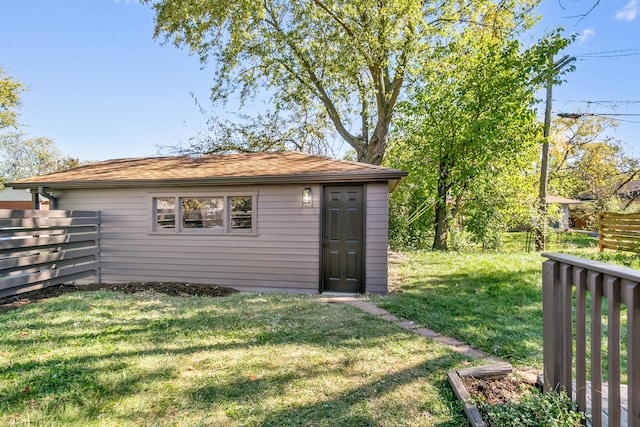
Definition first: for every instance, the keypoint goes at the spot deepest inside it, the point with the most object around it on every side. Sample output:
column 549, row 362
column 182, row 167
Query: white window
column 233, row 213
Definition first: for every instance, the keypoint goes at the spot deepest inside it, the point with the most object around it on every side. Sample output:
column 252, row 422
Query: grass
column 107, row 359
column 491, row 300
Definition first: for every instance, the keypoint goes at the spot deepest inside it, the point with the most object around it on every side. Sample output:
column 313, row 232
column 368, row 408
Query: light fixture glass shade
column 306, row 196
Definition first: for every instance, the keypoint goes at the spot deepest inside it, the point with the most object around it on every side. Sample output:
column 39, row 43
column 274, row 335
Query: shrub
column 535, row 410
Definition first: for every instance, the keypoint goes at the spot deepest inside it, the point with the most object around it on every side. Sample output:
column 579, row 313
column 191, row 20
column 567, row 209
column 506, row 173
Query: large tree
column 22, row 156
column 346, row 60
column 472, row 118
column 586, row 162
column 271, row 131
column 10, row 89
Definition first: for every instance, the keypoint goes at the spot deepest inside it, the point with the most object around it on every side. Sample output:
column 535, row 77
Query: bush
column 535, row 410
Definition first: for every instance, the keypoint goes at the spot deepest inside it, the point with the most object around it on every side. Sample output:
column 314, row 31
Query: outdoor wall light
column 306, row 196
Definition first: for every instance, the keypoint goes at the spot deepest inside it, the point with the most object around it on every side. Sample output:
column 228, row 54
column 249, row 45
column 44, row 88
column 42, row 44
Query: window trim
column 180, row 230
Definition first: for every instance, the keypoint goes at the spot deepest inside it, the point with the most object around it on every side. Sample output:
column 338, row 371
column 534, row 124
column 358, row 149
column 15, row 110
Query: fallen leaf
column 27, row 389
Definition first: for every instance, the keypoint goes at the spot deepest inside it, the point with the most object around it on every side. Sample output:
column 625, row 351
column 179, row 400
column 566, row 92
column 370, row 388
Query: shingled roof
column 247, row 168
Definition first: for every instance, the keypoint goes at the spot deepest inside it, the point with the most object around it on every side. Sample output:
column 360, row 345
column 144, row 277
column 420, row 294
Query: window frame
column 179, row 229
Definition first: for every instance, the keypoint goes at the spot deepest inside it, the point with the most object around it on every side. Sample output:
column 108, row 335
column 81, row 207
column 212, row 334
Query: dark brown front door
column 342, row 239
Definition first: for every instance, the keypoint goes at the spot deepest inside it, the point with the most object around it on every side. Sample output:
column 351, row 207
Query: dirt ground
column 496, row 391
column 169, row 288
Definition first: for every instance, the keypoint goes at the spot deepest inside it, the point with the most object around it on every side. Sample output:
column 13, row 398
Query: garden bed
column 168, row 288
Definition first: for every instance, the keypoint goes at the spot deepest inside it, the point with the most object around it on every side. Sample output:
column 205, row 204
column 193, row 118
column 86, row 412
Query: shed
column 282, row 221
column 564, row 203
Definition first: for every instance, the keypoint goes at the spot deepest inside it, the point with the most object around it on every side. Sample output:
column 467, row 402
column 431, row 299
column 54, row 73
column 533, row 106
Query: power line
column 626, row 121
column 621, row 101
column 610, row 54
column 605, row 115
column 611, row 51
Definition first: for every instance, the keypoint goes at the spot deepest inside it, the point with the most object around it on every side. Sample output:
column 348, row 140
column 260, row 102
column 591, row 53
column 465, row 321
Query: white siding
column 283, row 256
column 376, row 237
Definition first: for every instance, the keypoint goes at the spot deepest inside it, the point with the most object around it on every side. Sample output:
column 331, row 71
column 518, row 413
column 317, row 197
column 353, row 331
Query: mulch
column 169, row 288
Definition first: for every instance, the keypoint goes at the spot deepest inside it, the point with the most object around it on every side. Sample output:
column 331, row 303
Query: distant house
column 261, row 222
column 563, row 223
column 19, row 199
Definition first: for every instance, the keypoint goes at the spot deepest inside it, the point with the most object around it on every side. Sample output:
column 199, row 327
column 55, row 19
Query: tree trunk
column 441, row 225
column 441, row 228
column 373, row 150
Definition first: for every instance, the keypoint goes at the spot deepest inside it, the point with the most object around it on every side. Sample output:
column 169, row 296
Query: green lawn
column 491, row 300
column 110, row 359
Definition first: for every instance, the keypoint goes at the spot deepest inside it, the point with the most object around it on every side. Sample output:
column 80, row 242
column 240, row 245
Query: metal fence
column 40, row 248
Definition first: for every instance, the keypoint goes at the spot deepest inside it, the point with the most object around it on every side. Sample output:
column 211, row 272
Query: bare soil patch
column 496, row 391
column 169, row 288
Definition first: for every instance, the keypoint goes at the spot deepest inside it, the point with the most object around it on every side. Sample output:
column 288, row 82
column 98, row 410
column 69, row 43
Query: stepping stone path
column 452, row 343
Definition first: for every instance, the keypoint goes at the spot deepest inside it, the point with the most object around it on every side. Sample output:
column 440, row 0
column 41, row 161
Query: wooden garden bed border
column 496, row 370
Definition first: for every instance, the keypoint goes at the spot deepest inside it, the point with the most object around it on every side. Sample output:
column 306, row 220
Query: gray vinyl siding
column 283, row 256
column 376, row 237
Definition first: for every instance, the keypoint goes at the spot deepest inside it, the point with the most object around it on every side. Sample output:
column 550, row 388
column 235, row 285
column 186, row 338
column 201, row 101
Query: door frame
column 363, row 286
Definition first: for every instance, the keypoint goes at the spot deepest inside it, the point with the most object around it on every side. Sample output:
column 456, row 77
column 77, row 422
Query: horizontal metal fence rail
column 619, row 231
column 40, row 248
column 565, row 318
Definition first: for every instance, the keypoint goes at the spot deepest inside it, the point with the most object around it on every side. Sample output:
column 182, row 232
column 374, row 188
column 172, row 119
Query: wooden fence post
column 601, row 231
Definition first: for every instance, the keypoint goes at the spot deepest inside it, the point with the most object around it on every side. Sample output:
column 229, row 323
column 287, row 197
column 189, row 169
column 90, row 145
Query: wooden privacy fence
column 619, row 231
column 44, row 248
column 594, row 283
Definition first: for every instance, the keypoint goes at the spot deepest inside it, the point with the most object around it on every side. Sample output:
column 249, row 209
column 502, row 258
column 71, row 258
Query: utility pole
column 554, row 69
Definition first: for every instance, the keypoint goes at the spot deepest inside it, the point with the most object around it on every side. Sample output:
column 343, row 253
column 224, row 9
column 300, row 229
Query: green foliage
column 468, row 132
column 23, row 157
column 585, row 163
column 343, row 60
column 535, row 410
column 10, row 89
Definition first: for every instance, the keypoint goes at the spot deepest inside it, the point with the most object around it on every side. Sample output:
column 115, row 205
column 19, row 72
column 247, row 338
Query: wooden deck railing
column 44, row 248
column 594, row 282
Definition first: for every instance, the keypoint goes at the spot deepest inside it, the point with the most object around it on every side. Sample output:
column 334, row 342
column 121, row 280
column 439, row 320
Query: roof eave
column 395, row 176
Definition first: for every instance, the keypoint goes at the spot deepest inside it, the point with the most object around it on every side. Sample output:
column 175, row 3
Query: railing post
column 632, row 300
column 552, row 367
column 594, row 284
column 580, row 281
column 612, row 292
column 563, row 308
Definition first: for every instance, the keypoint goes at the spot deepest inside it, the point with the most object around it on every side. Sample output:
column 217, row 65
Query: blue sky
column 101, row 87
